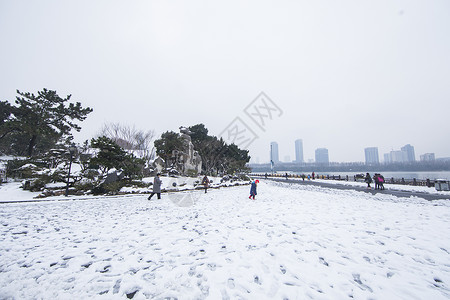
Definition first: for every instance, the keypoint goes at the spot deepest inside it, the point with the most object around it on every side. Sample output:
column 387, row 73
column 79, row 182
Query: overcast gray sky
column 345, row 74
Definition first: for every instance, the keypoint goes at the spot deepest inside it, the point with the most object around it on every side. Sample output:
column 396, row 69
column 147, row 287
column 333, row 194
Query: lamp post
column 271, row 159
column 72, row 150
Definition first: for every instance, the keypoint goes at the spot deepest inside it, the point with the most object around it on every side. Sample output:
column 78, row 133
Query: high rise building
column 397, row 157
column 409, row 150
column 274, row 157
column 427, row 157
column 371, row 154
column 322, row 156
column 299, row 151
column 387, row 158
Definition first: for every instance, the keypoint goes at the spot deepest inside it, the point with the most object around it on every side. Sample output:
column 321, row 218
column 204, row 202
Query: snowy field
column 293, row 242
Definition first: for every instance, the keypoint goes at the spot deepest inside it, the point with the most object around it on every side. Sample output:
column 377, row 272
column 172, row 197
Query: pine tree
column 111, row 156
column 43, row 118
column 217, row 156
column 169, row 142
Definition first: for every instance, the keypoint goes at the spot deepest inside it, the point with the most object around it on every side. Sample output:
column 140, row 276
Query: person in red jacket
column 253, row 189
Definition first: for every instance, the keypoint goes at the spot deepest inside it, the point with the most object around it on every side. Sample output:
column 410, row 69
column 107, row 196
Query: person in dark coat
column 253, row 189
column 376, row 179
column 156, row 187
column 368, row 180
column 205, row 183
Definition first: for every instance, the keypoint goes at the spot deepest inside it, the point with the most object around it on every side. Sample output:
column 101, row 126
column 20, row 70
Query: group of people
column 377, row 178
column 205, row 182
column 157, row 186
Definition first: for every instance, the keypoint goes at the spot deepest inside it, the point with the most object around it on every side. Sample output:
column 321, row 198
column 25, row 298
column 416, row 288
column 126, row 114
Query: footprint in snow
column 230, row 283
column 323, row 261
column 116, row 286
column 212, row 266
column 132, row 294
column 225, row 295
column 86, row 265
column 357, row 279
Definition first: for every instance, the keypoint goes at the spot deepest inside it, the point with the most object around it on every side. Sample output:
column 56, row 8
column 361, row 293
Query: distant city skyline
column 405, row 154
column 371, row 155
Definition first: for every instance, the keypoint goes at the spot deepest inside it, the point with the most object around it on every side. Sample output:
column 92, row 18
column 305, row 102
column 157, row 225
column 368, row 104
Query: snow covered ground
column 12, row 191
column 292, row 242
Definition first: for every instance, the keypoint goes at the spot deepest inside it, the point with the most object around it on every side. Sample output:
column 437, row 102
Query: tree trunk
column 31, row 145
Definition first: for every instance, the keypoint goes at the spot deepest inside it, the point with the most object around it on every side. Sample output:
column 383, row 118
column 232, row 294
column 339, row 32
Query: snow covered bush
column 111, row 156
column 191, row 173
column 21, row 168
column 34, row 185
column 85, row 185
column 113, row 188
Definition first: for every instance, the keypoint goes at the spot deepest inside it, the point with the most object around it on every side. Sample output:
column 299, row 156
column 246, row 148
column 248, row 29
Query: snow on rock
column 292, row 242
column 27, row 166
column 55, row 185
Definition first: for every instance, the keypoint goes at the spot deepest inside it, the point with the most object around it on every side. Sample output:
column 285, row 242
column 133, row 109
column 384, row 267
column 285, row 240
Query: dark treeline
column 354, row 167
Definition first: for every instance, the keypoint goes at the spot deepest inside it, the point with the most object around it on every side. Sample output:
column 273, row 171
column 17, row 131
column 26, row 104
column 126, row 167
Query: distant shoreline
column 407, row 175
column 352, row 167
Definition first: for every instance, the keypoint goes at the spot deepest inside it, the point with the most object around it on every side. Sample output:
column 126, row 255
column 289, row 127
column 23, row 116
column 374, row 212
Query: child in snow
column 253, row 189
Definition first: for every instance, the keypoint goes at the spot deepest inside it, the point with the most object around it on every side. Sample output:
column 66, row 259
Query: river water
column 406, row 175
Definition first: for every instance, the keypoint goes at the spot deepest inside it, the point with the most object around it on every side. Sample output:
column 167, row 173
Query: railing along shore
column 355, row 178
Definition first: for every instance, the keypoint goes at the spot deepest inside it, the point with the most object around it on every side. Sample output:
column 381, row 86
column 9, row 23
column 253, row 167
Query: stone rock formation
column 185, row 161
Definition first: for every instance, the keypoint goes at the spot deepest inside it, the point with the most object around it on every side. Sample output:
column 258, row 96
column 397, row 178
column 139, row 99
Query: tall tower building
column 409, row 151
column 371, row 154
column 299, row 151
column 427, row 157
column 322, row 156
column 398, row 156
column 274, row 156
